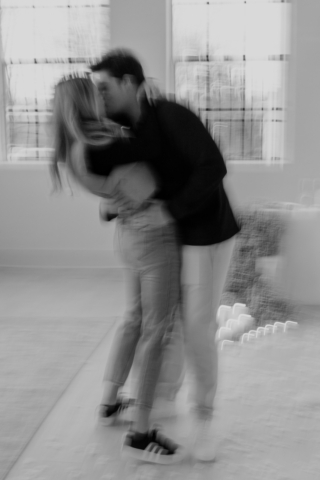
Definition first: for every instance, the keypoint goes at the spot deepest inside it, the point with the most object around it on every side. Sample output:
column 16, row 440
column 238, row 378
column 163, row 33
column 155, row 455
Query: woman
column 149, row 247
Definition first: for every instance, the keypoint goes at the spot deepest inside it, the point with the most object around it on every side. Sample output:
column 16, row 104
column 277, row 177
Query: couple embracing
column 160, row 173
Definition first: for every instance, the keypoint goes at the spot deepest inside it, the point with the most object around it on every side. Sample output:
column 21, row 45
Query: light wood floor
column 70, row 444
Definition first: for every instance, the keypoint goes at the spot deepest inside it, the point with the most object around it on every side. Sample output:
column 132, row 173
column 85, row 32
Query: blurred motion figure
column 149, row 246
column 190, row 170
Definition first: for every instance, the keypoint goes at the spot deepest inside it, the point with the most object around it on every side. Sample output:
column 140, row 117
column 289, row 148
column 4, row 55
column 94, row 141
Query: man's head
column 118, row 77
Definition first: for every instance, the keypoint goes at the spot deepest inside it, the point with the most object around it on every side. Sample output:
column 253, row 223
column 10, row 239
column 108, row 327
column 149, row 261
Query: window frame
column 42, row 162
column 248, row 165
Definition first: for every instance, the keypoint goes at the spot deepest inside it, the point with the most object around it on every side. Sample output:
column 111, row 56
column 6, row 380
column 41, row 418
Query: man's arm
column 129, row 185
column 103, row 159
column 187, row 135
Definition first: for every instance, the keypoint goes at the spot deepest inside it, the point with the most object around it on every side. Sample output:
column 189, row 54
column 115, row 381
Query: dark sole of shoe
column 149, row 457
column 121, row 418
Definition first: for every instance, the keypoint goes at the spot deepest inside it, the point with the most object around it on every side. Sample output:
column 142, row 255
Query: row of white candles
column 236, row 323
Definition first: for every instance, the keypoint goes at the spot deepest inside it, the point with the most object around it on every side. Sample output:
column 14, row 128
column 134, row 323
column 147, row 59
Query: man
column 190, row 170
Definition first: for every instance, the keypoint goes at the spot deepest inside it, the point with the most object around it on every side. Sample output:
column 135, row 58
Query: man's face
column 115, row 93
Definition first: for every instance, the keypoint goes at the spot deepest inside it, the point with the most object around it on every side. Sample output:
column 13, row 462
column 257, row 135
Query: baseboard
column 59, row 258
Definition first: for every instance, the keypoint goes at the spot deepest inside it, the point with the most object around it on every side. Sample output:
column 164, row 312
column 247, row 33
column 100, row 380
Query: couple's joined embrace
column 160, row 173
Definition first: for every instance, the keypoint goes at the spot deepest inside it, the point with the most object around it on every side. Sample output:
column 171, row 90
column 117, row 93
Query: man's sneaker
column 152, row 447
column 109, row 414
column 204, row 448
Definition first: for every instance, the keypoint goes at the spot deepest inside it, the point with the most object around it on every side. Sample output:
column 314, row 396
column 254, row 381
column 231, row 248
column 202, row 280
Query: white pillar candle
column 236, row 327
column 223, row 315
column 246, row 320
column 238, row 309
column 223, row 333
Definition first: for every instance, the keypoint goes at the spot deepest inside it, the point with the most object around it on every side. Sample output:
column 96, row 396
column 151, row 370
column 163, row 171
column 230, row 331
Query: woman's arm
column 96, row 184
column 133, row 183
column 128, row 187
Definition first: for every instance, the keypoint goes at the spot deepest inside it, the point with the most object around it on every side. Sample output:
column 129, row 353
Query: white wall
column 39, row 229
column 141, row 26
column 36, row 229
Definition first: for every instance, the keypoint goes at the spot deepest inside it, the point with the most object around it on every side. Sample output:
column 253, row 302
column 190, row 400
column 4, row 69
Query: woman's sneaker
column 152, row 447
column 109, row 414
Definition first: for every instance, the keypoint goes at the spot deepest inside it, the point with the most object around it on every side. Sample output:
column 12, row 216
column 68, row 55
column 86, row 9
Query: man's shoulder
column 164, row 105
column 174, row 112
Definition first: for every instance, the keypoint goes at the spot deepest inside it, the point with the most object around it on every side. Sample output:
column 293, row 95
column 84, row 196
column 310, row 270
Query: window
column 231, row 59
column 43, row 40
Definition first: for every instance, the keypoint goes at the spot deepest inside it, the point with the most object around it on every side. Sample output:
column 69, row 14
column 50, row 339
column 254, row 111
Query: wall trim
column 59, row 258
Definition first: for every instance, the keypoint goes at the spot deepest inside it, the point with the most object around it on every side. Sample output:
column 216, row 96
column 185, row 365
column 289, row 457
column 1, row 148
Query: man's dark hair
column 120, row 62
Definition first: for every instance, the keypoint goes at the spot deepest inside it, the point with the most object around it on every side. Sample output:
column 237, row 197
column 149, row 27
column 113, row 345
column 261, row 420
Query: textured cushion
column 262, row 227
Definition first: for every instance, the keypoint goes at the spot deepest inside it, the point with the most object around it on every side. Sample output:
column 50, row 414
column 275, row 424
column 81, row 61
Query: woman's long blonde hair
column 76, row 118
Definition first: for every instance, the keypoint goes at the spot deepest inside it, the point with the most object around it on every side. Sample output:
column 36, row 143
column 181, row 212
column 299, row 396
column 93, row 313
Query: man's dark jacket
column 189, row 168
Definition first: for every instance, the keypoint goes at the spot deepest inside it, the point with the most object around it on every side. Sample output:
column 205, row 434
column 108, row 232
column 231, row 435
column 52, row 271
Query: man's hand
column 159, row 215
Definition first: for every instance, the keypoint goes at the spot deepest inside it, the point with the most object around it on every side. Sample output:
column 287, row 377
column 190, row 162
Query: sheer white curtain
column 41, row 41
column 231, row 59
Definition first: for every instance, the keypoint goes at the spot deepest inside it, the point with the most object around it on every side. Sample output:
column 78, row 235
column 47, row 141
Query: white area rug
column 267, row 416
column 39, row 357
